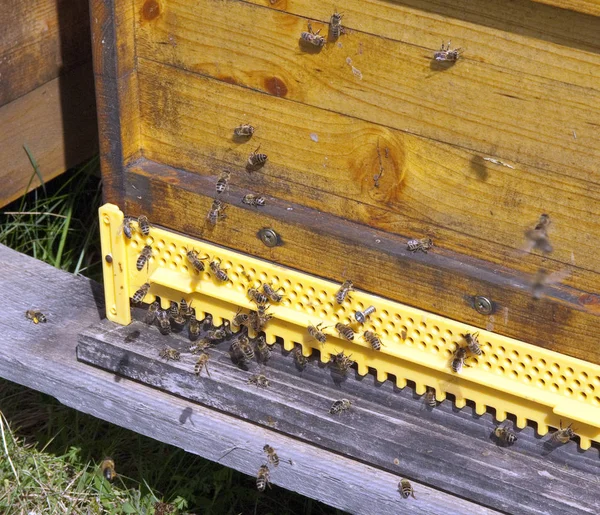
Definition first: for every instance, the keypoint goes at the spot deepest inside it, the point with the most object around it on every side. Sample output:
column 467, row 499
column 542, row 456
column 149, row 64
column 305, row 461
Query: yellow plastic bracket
column 511, row 376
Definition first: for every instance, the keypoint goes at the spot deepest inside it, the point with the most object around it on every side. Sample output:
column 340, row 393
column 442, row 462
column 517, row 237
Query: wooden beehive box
column 371, row 143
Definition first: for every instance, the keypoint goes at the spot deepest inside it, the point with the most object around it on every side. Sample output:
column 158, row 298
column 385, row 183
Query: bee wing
column 559, row 276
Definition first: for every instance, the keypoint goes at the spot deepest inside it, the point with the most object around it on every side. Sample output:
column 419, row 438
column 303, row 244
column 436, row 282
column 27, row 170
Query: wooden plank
column 39, row 41
column 43, row 357
column 584, row 6
column 441, row 281
column 474, row 105
column 57, row 122
column 466, row 204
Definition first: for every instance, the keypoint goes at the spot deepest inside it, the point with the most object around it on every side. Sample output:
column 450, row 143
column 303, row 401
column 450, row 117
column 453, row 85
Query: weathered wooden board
column 43, row 357
column 441, row 282
column 584, row 6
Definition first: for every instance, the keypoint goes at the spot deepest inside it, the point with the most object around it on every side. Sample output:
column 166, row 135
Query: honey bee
column 542, row 279
column 186, row 310
column 312, row 38
column 317, row 333
column 537, row 238
column 406, row 489
column 220, row 274
column 139, row 295
column 152, row 311
column 202, row 363
column 173, row 309
column 259, row 380
column 473, row 343
column 216, row 213
column 254, row 200
column 144, row 257
column 423, row 245
column 260, row 298
column 217, row 334
column 107, row 468
column 340, row 406
column 271, row 455
column 195, row 261
column 255, row 161
column 447, row 55
column 274, row 295
column 300, row 359
column 223, row 181
column 343, row 292
column 258, row 319
column 126, row 228
column 505, row 435
column 169, row 353
column 345, row 331
column 335, row 25
column 430, row 397
column 240, row 319
column 563, row 435
column 458, row 360
column 341, row 362
column 144, row 225
column 162, row 508
column 207, row 323
column 242, row 350
column 372, row 339
column 263, row 351
column 178, row 322
column 35, row 316
column 164, row 324
column 262, row 478
column 245, row 130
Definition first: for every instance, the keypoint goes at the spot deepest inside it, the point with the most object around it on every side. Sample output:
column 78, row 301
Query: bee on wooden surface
column 139, row 295
column 242, row 350
column 406, row 489
column 543, row 278
column 256, row 160
column 152, row 311
column 201, row 364
column 37, row 317
column 240, row 319
column 196, row 261
column 340, row 406
column 473, row 343
column 563, row 435
column 144, row 225
column 458, row 360
column 186, row 310
column 445, row 54
column 271, row 455
column 178, row 322
column 262, row 478
column 345, row 331
column 505, row 435
column 372, row 339
column 317, row 333
column 259, row 380
column 216, row 212
column 164, row 324
column 194, row 328
column 430, row 399
column 537, row 238
column 207, row 323
column 245, row 130
column 107, row 467
column 144, row 257
column 201, row 346
column 217, row 334
column 226, row 326
column 300, row 359
column 274, row 295
column 335, row 25
column 223, row 181
column 263, row 351
column 312, row 38
column 343, row 292
column 173, row 309
column 341, row 362
column 423, row 245
column 168, row 353
column 258, row 297
column 254, row 200
column 219, row 273
column 126, row 228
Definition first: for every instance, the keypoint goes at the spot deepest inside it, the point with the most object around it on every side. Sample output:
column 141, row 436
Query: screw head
column 483, row 305
column 360, row 317
column 269, row 237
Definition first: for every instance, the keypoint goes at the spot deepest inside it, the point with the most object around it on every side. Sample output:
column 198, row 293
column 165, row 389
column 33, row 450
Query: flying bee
column 223, row 181
column 262, row 478
column 542, row 279
column 372, row 338
column 341, row 362
column 272, row 457
column 254, row 200
column 505, row 435
column 35, row 316
column 274, row 295
column 139, row 295
column 458, row 359
column 144, row 225
column 195, row 261
column 263, row 351
column 126, row 228
column 473, row 343
column 406, row 489
column 164, row 324
column 152, row 311
column 202, row 363
column 537, row 238
column 300, row 359
column 344, row 331
column 220, row 274
column 144, row 257
column 168, row 353
column 423, row 245
column 312, row 38
column 244, row 130
column 563, row 435
column 259, row 380
column 258, row 297
column 256, row 161
column 340, row 406
column 240, row 319
column 430, row 397
column 343, row 292
column 447, row 55
column 216, row 212
column 107, row 468
column 317, row 333
column 335, row 25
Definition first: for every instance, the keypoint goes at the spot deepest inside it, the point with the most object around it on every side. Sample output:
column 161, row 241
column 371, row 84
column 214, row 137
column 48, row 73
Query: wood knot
column 150, row 10
column 590, row 301
column 276, row 86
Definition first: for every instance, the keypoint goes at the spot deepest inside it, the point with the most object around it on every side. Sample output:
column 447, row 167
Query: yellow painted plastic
column 511, row 376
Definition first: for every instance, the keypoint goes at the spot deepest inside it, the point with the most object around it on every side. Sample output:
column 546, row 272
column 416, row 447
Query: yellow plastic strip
column 511, row 376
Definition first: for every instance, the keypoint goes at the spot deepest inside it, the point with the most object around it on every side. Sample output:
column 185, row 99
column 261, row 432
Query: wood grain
column 473, row 105
column 57, row 121
column 584, row 6
column 441, row 282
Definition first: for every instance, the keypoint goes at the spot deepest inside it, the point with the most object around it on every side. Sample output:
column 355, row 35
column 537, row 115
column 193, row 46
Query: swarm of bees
column 37, row 317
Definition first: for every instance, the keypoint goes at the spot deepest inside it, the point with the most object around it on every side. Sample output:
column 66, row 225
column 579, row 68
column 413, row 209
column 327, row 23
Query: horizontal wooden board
column 466, row 204
column 441, row 281
column 474, row 105
column 584, row 6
